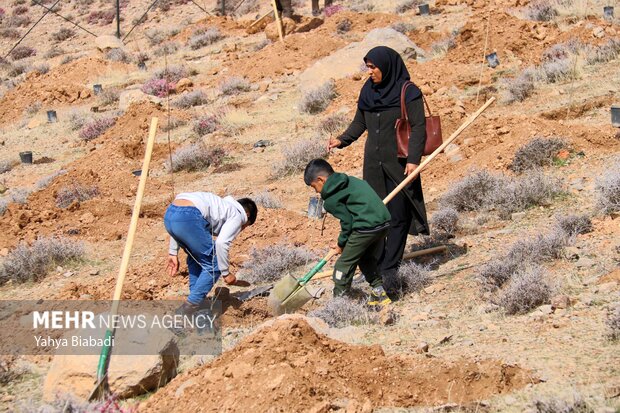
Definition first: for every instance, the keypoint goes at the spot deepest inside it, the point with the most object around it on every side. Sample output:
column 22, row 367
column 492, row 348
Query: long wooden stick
column 432, row 156
column 260, row 19
column 278, row 20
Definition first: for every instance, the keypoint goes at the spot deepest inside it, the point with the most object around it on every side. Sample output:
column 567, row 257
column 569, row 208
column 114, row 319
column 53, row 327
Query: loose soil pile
column 288, row 366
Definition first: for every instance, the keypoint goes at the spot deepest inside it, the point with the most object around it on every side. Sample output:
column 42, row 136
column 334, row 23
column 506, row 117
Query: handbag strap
column 427, row 107
column 403, row 105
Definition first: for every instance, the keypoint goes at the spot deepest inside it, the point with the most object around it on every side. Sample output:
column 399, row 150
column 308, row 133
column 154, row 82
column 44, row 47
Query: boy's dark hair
column 251, row 209
column 316, row 168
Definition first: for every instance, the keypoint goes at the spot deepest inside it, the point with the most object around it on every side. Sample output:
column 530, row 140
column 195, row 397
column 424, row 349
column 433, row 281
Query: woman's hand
column 230, row 279
column 172, row 264
column 410, row 168
column 333, row 143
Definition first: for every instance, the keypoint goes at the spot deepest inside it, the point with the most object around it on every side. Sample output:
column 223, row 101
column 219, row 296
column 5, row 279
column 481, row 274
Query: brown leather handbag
column 403, row 128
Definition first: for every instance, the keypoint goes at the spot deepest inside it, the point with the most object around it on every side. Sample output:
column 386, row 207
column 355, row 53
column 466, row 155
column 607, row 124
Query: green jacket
column 354, row 203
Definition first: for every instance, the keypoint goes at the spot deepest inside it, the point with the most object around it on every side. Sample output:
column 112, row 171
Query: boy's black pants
column 362, row 249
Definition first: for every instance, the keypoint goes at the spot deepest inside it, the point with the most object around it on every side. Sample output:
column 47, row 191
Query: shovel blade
column 281, row 291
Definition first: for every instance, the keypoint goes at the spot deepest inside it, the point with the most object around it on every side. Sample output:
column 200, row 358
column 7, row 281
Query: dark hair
column 316, row 168
column 250, row 209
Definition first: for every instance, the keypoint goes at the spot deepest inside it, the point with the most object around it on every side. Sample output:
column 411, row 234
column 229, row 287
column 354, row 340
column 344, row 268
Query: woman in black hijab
column 378, row 108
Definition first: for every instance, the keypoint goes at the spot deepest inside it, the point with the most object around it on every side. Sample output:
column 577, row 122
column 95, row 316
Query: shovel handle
column 304, row 280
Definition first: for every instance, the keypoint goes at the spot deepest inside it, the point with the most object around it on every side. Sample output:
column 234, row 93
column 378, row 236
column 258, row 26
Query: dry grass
column 191, row 99
column 76, row 193
column 446, row 220
column 6, row 166
column 317, row 100
column 274, row 261
column 556, row 405
column 196, row 157
column 613, row 323
column 343, row 311
column 202, row 38
column 537, row 153
column 22, row 52
column 527, row 289
column 573, row 225
column 519, row 88
column 32, row 262
column 234, row 85
column 296, row 156
column 206, row 124
column 333, row 124
column 266, row 200
column 67, row 403
column 96, row 128
column 109, row 96
column 608, row 190
column 410, row 278
column 541, row 11
column 63, row 34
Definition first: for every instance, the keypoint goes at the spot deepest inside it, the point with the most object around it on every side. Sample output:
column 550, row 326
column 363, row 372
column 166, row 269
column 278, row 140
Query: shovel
column 291, row 293
column 102, row 388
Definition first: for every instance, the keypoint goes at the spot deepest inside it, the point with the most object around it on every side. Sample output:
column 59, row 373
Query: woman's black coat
column 381, row 155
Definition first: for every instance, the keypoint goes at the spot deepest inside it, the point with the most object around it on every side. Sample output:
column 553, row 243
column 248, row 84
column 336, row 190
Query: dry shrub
column 482, row 191
column 172, row 73
column 191, row 99
column 67, row 403
column 446, row 220
column 573, row 225
column 527, row 289
column 549, row 405
column 77, row 119
column 261, row 45
column 343, row 26
column 6, row 166
column 603, row 53
column 33, row 109
column 9, row 372
column 234, row 85
column 202, row 38
column 69, row 59
column 19, row 21
column 343, row 311
column 158, row 87
column 101, row 17
column 442, row 47
column 76, row 193
column 22, row 52
column 536, row 153
column 109, row 96
column 172, row 123
column 266, row 200
column 18, row 69
column 96, row 128
column 41, row 69
column 541, row 11
column 409, row 278
column 9, row 33
column 608, row 190
column 613, row 323
column 519, row 88
column 32, row 262
column 403, row 28
column 296, row 156
column 248, row 6
column 317, row 100
column 206, row 124
column 166, row 49
column 196, row 157
column 405, row 6
column 558, row 71
column 19, row 10
column 523, row 253
column 46, row 180
column 269, row 264
column 333, row 124
column 118, row 55
column 63, row 34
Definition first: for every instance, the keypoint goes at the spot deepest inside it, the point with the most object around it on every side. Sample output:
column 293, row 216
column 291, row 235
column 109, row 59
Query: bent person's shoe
column 378, row 297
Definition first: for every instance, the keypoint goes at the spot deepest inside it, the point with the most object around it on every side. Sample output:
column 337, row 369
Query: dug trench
column 288, row 366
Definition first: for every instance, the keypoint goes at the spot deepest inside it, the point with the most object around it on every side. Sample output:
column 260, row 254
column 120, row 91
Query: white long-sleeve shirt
column 226, row 217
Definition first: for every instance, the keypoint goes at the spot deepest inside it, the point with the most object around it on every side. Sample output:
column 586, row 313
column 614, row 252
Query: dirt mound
column 300, row 50
column 62, row 85
column 288, row 366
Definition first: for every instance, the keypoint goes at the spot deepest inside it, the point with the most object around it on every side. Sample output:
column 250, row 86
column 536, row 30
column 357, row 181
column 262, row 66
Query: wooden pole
column 278, row 20
column 432, row 156
column 260, row 19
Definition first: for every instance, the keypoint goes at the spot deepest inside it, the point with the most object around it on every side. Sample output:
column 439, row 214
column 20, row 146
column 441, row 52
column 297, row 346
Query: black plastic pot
column 51, row 116
column 25, row 157
column 137, row 172
column 142, row 66
column 315, row 207
column 608, row 12
column 492, row 60
column 615, row 116
column 97, row 89
column 425, row 9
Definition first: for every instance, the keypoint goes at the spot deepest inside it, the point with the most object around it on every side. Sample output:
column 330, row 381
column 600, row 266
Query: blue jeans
column 193, row 233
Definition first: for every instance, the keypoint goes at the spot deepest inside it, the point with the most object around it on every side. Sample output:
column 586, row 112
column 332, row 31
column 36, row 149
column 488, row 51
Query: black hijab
column 386, row 95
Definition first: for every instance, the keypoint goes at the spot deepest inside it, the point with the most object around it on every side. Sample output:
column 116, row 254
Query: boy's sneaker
column 378, row 296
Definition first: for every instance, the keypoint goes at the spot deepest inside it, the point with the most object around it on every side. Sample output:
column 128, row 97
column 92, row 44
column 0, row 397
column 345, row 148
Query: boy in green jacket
column 364, row 222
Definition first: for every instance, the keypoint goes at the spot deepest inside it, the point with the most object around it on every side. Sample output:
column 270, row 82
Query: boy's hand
column 172, row 264
column 230, row 279
column 410, row 168
column 333, row 143
column 336, row 248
